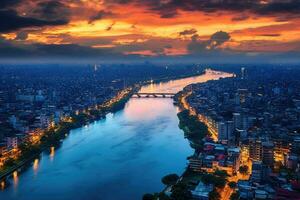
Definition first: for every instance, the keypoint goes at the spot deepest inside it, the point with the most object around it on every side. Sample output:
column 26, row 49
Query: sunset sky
column 174, row 28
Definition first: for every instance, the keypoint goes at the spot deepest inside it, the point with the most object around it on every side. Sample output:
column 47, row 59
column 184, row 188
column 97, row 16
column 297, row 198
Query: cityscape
column 252, row 128
column 149, row 100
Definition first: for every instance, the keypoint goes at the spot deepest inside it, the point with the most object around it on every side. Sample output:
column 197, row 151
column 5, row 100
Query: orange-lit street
column 34, row 138
column 226, row 192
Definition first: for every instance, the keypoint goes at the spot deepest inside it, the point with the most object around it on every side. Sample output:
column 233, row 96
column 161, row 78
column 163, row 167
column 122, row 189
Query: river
column 117, row 158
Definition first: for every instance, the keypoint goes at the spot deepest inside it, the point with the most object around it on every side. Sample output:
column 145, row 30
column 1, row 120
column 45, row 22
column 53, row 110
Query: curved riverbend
column 120, row 157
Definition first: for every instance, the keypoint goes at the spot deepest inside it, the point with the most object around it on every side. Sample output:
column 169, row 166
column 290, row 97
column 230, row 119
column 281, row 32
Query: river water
column 117, row 158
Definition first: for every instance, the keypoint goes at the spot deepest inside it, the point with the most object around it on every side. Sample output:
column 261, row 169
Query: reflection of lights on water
column 15, row 178
column 52, row 153
column 36, row 165
column 2, row 185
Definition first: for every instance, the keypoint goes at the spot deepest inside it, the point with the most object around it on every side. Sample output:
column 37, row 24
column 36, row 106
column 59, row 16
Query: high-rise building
column 230, row 130
column 225, row 130
column 245, row 124
column 257, row 171
column 234, row 158
column 268, row 153
column 242, row 95
column 282, row 149
column 222, row 131
column 237, row 120
column 255, row 149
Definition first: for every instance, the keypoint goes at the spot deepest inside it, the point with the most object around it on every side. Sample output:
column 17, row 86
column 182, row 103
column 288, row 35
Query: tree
column 219, row 182
column 244, row 169
column 163, row 196
column 207, row 179
column 235, row 196
column 28, row 149
column 170, row 179
column 221, row 173
column 214, row 195
column 9, row 162
column 232, row 184
column 180, row 191
column 148, row 197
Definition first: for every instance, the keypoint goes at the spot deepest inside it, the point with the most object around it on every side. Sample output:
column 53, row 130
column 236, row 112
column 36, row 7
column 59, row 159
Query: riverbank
column 221, row 181
column 53, row 136
column 116, row 149
column 31, row 148
column 196, row 132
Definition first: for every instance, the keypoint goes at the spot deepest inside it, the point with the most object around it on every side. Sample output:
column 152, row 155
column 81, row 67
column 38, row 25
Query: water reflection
column 146, row 109
column 174, row 86
column 2, row 185
column 36, row 166
column 52, row 153
column 108, row 159
column 15, row 179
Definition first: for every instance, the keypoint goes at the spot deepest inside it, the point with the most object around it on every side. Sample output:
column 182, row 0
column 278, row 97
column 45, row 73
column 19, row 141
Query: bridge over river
column 153, row 95
column 122, row 156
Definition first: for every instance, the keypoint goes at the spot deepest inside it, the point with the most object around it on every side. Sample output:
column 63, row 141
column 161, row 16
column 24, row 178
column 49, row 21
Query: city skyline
column 149, row 99
column 243, row 30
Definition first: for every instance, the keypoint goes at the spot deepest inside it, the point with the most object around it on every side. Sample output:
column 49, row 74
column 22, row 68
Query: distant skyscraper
column 243, row 73
column 95, row 67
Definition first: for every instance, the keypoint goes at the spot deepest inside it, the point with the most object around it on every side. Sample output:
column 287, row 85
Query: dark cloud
column 52, row 10
column 197, row 46
column 110, row 26
column 11, row 21
column 240, row 18
column 286, row 6
column 219, row 38
column 188, row 32
column 21, row 35
column 100, row 15
column 70, row 50
column 270, row 35
column 12, row 49
column 8, row 3
column 8, row 49
column 167, row 12
column 170, row 8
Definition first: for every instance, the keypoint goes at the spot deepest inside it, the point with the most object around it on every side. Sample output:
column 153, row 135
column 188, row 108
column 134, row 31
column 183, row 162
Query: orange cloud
column 139, row 27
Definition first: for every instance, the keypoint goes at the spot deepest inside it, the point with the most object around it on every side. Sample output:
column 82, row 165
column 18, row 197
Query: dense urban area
column 39, row 105
column 245, row 132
